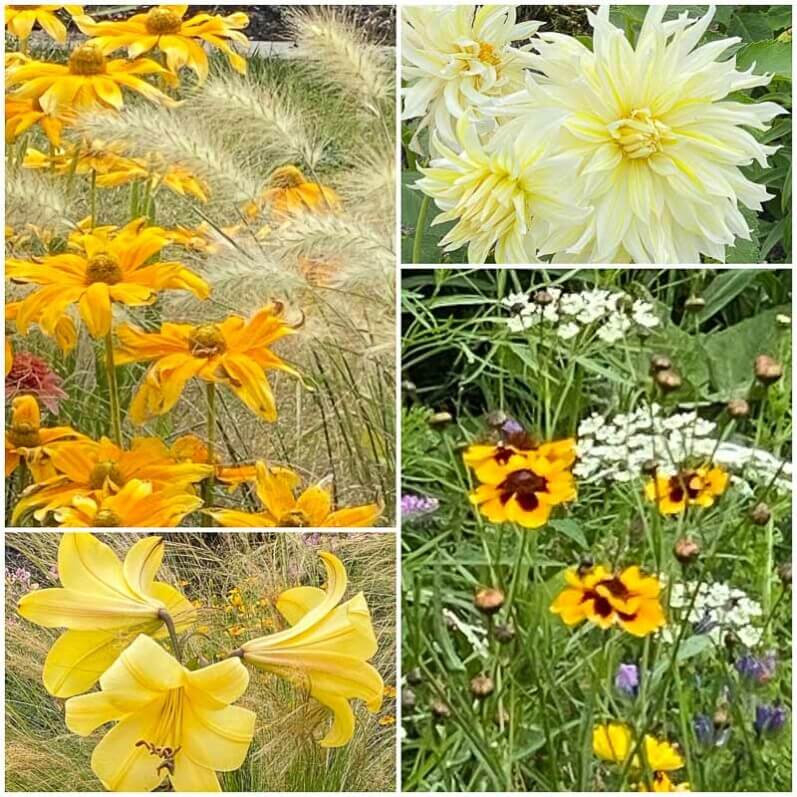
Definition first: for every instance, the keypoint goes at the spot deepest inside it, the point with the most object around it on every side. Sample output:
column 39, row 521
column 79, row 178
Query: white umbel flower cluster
column 611, row 315
column 718, row 610
column 615, row 448
column 652, row 147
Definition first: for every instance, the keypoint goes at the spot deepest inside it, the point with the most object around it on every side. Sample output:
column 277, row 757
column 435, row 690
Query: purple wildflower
column 626, row 680
column 769, row 719
column 760, row 669
column 416, row 506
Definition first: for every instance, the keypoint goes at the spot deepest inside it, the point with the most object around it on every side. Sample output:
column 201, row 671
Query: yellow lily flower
column 326, row 649
column 172, row 722
column 103, row 604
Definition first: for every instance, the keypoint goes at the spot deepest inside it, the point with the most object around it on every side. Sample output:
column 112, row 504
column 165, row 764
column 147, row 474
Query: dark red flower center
column 680, row 486
column 524, row 485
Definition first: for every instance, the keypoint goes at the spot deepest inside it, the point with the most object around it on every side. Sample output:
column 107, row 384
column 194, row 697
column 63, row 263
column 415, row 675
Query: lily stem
column 420, row 228
column 207, row 487
column 169, row 623
column 113, row 389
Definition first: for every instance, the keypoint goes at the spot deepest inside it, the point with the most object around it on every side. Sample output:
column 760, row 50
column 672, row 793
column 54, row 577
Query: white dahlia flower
column 659, row 146
column 458, row 58
column 512, row 198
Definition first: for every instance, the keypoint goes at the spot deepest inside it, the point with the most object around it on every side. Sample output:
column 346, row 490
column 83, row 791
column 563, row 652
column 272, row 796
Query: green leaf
column 768, row 56
column 746, row 251
column 572, row 529
column 529, row 741
column 751, row 27
column 723, row 289
column 779, row 17
column 411, row 200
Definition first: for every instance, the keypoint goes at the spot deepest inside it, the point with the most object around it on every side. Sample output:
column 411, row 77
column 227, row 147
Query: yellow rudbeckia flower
column 288, row 193
column 136, row 505
column 64, row 331
column 21, row 19
column 103, row 604
column 326, row 649
column 164, row 28
column 276, row 489
column 108, row 266
column 689, row 487
column 92, row 469
column 629, row 599
column 234, row 352
column 27, row 441
column 22, row 114
column 172, row 722
column 87, row 81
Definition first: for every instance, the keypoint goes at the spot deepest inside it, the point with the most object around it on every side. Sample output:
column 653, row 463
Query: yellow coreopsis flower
column 276, row 489
column 628, row 599
column 88, row 80
column 27, row 441
column 173, row 722
column 288, row 193
column 103, row 604
column 136, row 505
column 326, row 649
column 506, row 196
column 489, row 461
column 21, row 19
column 109, row 266
column 89, row 469
column 234, row 352
column 689, row 487
column 659, row 136
column 164, row 28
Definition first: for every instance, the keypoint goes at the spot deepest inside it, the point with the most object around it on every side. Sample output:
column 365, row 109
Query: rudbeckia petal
column 95, row 309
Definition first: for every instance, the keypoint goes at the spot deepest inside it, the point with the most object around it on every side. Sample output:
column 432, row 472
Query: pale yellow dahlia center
column 162, row 21
column 87, row 59
column 488, row 55
column 103, row 268
column 640, row 134
column 206, row 341
column 25, row 435
column 105, row 470
column 106, row 518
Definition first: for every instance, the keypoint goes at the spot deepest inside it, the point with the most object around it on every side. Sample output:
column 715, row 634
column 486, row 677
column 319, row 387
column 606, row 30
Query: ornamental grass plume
column 325, row 651
column 659, row 143
column 104, row 604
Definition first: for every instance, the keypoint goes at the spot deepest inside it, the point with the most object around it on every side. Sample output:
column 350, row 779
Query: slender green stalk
column 420, row 229
column 93, row 198
column 169, row 623
column 207, row 487
column 113, row 389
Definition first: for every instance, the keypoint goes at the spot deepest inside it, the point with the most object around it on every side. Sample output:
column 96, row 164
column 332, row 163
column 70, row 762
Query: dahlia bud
column 496, row 419
column 415, row 677
column 660, row 362
column 482, row 686
column 767, row 370
column 686, row 550
column 649, row 467
column 504, row 633
column 408, row 700
column 760, row 514
column 694, row 304
column 542, row 298
column 440, row 709
column 668, row 380
column 784, row 573
column 440, row 420
column 488, row 600
column 738, row 408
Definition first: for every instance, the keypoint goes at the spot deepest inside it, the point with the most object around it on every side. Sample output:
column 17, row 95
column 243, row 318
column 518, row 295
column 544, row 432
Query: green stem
column 113, row 389
column 207, row 487
column 420, row 226
column 93, row 198
column 169, row 623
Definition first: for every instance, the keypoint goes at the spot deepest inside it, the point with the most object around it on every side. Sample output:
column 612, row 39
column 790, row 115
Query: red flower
column 30, row 375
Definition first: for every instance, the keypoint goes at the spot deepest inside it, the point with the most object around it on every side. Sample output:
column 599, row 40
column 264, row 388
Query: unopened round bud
column 668, row 380
column 496, row 419
column 440, row 420
column 659, row 362
column 440, row 709
column 649, row 467
column 504, row 633
column 409, row 387
column 760, row 514
column 482, row 686
column 686, row 550
column 488, row 600
column 542, row 298
column 408, row 699
column 738, row 408
column 501, row 717
column 721, row 718
column 767, row 370
column 784, row 574
column 694, row 304
column 415, row 676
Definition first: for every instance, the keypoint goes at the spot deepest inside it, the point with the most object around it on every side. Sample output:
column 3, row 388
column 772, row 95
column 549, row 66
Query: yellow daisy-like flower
column 628, row 599
column 276, row 489
column 103, row 604
column 88, row 80
column 21, row 19
column 28, row 442
column 326, row 649
column 689, row 487
column 524, row 490
column 173, row 722
column 22, row 114
column 89, row 469
column 64, row 332
column 490, row 461
column 234, row 352
column 109, row 266
column 289, row 193
column 135, row 505
column 662, row 782
column 164, row 28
